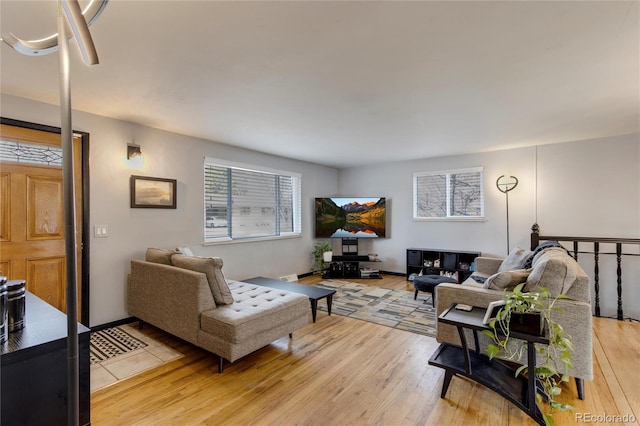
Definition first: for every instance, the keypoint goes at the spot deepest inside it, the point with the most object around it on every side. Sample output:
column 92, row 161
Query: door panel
column 5, row 268
column 45, row 214
column 5, row 207
column 44, row 276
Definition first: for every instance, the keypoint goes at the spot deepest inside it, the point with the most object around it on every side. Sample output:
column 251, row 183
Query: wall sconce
column 133, row 151
column 504, row 185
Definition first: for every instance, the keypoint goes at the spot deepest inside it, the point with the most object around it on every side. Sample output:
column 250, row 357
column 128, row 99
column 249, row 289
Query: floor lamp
column 69, row 13
column 504, row 185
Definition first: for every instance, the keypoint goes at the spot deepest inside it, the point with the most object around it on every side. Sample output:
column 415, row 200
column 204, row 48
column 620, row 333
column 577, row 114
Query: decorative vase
column 327, row 256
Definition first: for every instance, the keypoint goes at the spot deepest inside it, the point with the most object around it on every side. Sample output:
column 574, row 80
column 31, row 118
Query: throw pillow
column 212, row 268
column 157, row 255
column 507, row 280
column 541, row 247
column 184, row 250
column 515, row 260
column 553, row 269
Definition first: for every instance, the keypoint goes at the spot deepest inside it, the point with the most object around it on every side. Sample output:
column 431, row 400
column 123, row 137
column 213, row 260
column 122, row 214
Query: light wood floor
column 343, row 371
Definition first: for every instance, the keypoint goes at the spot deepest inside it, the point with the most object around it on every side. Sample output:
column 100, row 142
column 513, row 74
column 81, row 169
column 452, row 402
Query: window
column 27, row 153
column 245, row 202
column 449, row 194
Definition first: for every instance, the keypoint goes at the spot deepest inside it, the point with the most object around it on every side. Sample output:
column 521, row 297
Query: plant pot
column 531, row 323
column 327, row 256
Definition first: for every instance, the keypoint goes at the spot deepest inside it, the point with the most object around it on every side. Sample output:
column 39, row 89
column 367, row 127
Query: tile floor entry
column 124, row 355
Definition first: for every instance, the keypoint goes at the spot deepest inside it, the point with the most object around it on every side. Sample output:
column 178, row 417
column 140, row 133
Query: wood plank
column 341, row 370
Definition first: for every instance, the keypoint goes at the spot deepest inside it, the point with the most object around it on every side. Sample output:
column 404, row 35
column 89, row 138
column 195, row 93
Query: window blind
column 243, row 202
column 449, row 194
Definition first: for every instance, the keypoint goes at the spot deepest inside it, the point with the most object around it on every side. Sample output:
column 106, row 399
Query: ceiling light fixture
column 80, row 30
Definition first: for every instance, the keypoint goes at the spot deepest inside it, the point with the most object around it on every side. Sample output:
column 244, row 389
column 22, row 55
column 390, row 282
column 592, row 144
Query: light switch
column 101, row 231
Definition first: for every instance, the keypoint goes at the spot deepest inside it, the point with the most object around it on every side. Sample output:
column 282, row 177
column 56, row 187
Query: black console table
column 493, row 374
column 451, row 263
column 34, row 369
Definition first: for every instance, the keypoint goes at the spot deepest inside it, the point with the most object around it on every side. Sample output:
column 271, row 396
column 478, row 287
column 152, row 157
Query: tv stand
column 347, row 265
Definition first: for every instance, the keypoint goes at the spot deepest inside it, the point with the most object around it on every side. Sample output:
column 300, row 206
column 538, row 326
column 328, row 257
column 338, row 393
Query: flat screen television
column 350, row 217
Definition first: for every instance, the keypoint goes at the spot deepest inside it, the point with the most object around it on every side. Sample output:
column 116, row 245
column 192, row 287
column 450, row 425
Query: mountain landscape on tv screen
column 350, row 217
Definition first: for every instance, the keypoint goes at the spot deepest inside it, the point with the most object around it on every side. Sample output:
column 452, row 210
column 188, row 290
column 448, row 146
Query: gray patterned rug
column 393, row 308
column 111, row 342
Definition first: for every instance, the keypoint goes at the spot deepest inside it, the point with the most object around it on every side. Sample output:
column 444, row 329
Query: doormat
column 391, row 308
column 110, row 343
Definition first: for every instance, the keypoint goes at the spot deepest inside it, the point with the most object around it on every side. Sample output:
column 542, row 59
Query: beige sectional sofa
column 551, row 267
column 190, row 298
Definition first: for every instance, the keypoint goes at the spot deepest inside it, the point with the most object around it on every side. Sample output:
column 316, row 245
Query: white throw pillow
column 185, row 251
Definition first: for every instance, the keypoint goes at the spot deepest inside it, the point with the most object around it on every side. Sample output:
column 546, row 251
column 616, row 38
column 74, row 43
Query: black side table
column 494, row 374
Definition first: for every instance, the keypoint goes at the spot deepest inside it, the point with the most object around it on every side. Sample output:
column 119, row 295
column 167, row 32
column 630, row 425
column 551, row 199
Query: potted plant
column 319, row 251
column 553, row 360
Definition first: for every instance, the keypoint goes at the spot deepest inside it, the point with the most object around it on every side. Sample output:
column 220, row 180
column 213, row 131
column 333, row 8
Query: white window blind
column 245, row 202
column 449, row 194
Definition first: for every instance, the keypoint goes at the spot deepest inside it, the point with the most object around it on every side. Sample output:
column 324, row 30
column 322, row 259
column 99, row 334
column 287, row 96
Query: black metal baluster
column 596, row 275
column 619, row 272
column 575, row 250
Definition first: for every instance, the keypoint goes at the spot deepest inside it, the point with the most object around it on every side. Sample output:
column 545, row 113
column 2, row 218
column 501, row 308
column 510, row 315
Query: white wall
column 584, row 188
column 131, row 231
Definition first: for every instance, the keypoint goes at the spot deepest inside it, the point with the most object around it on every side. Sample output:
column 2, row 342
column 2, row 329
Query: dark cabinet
column 452, row 263
column 34, row 369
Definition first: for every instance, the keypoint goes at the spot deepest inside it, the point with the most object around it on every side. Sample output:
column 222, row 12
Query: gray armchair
column 553, row 269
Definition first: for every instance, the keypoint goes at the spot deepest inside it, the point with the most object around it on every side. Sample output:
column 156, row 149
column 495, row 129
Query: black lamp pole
column 508, row 184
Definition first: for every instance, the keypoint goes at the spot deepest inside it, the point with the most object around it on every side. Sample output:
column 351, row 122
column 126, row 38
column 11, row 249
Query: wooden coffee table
column 312, row 292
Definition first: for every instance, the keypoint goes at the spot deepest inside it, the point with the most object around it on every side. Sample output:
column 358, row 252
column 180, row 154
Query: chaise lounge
column 190, row 298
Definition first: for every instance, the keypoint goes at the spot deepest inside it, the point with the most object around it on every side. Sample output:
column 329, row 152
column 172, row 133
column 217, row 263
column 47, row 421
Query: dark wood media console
column 347, row 265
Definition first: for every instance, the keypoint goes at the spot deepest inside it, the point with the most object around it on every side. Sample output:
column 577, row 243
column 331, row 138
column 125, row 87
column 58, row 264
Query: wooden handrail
column 619, row 242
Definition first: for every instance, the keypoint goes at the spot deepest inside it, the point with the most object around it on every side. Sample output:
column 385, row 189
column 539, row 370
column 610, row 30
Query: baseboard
column 307, row 274
column 114, row 324
column 397, row 274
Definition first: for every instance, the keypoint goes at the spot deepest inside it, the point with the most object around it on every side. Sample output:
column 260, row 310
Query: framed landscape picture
column 153, row 192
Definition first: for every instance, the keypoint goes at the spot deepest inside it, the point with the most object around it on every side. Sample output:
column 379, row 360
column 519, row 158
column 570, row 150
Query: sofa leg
column 580, row 386
column 290, row 335
column 140, row 324
column 220, row 365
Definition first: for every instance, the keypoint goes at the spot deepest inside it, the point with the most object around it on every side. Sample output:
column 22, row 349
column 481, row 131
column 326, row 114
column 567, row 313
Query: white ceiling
column 349, row 83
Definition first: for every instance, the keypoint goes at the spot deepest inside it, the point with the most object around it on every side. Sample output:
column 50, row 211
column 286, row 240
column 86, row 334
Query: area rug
column 122, row 352
column 110, row 343
column 392, row 308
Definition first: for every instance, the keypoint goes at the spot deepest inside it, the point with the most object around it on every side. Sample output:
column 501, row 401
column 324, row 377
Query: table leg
column 314, row 308
column 329, row 300
column 445, row 384
column 465, row 349
column 531, row 373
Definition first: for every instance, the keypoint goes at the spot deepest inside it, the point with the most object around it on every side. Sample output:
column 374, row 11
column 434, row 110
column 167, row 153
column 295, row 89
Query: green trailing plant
column 318, row 261
column 553, row 361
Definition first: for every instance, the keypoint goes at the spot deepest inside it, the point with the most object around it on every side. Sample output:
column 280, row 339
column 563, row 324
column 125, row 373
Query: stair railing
column 619, row 243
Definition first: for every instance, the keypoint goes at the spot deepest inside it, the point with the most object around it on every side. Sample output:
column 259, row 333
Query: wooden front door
column 32, row 212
